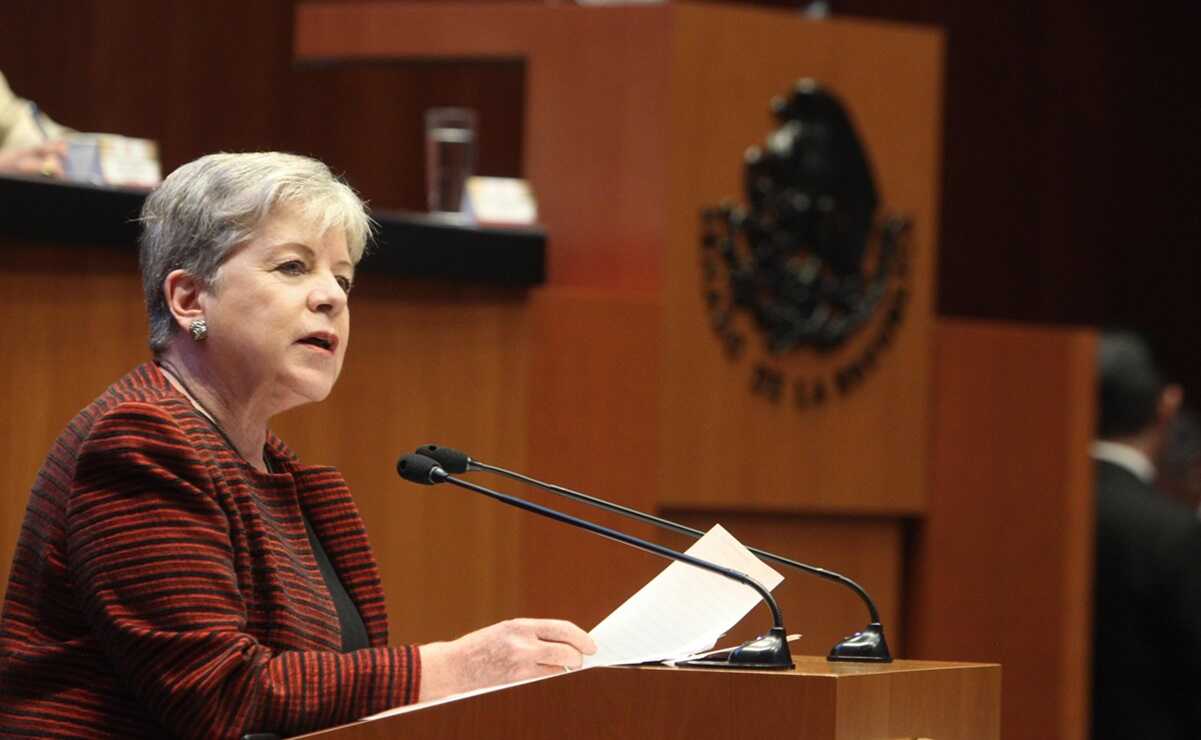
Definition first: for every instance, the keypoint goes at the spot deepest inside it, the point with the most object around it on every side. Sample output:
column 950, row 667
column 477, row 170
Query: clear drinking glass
column 449, row 157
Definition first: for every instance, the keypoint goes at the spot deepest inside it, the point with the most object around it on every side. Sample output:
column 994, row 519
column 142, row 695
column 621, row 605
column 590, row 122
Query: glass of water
column 449, row 157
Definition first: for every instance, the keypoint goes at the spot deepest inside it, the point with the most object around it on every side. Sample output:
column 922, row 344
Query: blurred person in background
column 1147, row 620
column 30, row 143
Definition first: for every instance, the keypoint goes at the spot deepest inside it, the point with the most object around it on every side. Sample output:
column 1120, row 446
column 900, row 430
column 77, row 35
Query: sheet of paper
column 684, row 609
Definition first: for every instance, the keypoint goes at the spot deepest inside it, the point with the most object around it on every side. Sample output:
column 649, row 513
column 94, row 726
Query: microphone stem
column 677, row 528
column 777, row 617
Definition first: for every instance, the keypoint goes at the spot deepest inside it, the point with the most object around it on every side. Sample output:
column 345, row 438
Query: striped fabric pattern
column 163, row 586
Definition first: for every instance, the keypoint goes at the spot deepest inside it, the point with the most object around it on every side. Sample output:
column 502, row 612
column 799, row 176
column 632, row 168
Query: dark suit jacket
column 163, row 586
column 1147, row 631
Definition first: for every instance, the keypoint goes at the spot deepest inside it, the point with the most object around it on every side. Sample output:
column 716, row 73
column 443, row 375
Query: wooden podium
column 817, row 701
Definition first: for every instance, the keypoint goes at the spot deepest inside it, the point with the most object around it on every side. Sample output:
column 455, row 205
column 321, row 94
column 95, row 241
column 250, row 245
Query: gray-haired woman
column 179, row 569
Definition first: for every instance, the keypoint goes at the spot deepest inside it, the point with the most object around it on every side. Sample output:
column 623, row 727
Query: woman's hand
column 507, row 651
column 43, row 159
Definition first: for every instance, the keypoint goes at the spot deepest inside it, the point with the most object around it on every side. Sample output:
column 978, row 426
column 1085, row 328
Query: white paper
column 684, row 609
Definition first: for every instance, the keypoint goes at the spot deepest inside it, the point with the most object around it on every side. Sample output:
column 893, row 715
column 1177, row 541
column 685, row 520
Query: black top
column 354, row 632
column 350, row 621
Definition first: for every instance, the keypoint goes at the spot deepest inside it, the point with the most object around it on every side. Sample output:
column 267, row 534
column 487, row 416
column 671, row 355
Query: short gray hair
column 207, row 207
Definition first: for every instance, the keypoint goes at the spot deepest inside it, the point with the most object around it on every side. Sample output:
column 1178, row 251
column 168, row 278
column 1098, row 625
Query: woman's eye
column 292, row 267
column 346, row 283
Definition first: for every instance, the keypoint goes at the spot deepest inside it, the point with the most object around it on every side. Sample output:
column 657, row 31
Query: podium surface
column 818, row 700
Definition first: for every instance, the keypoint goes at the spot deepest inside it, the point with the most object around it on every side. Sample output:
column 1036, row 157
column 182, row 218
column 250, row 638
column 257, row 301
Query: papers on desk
column 683, row 610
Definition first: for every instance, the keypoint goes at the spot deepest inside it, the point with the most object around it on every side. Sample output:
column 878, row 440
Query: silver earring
column 199, row 329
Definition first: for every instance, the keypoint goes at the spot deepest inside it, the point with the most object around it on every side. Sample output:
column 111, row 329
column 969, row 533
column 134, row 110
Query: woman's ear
column 183, row 292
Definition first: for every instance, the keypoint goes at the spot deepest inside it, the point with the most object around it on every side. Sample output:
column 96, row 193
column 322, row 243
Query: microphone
column 768, row 651
column 867, row 645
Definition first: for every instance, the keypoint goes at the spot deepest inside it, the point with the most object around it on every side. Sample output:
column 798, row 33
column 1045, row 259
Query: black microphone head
column 420, row 469
column 451, row 460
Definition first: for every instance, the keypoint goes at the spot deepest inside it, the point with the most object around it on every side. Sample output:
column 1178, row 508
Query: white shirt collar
column 1126, row 457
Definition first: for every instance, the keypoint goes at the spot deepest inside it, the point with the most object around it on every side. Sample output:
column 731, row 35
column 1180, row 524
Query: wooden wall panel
column 724, row 446
column 592, row 427
column 73, row 322
column 1003, row 563
column 869, row 550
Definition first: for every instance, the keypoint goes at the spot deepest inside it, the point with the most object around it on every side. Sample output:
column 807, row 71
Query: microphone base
column 868, row 646
column 766, row 652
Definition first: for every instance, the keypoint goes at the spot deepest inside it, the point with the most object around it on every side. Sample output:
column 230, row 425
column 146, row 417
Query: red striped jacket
column 161, row 585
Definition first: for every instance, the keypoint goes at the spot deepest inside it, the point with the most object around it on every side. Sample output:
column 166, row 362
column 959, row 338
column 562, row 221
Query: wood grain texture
column 75, row 323
column 592, row 427
column 817, row 701
column 1003, row 564
column 858, row 453
column 868, row 550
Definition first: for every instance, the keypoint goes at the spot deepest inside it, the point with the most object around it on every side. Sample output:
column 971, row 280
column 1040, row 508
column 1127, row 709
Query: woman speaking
column 179, row 571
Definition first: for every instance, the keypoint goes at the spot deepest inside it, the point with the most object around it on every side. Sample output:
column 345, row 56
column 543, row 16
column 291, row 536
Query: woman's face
column 277, row 314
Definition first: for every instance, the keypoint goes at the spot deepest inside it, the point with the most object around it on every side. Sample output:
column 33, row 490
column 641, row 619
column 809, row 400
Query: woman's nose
column 327, row 296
